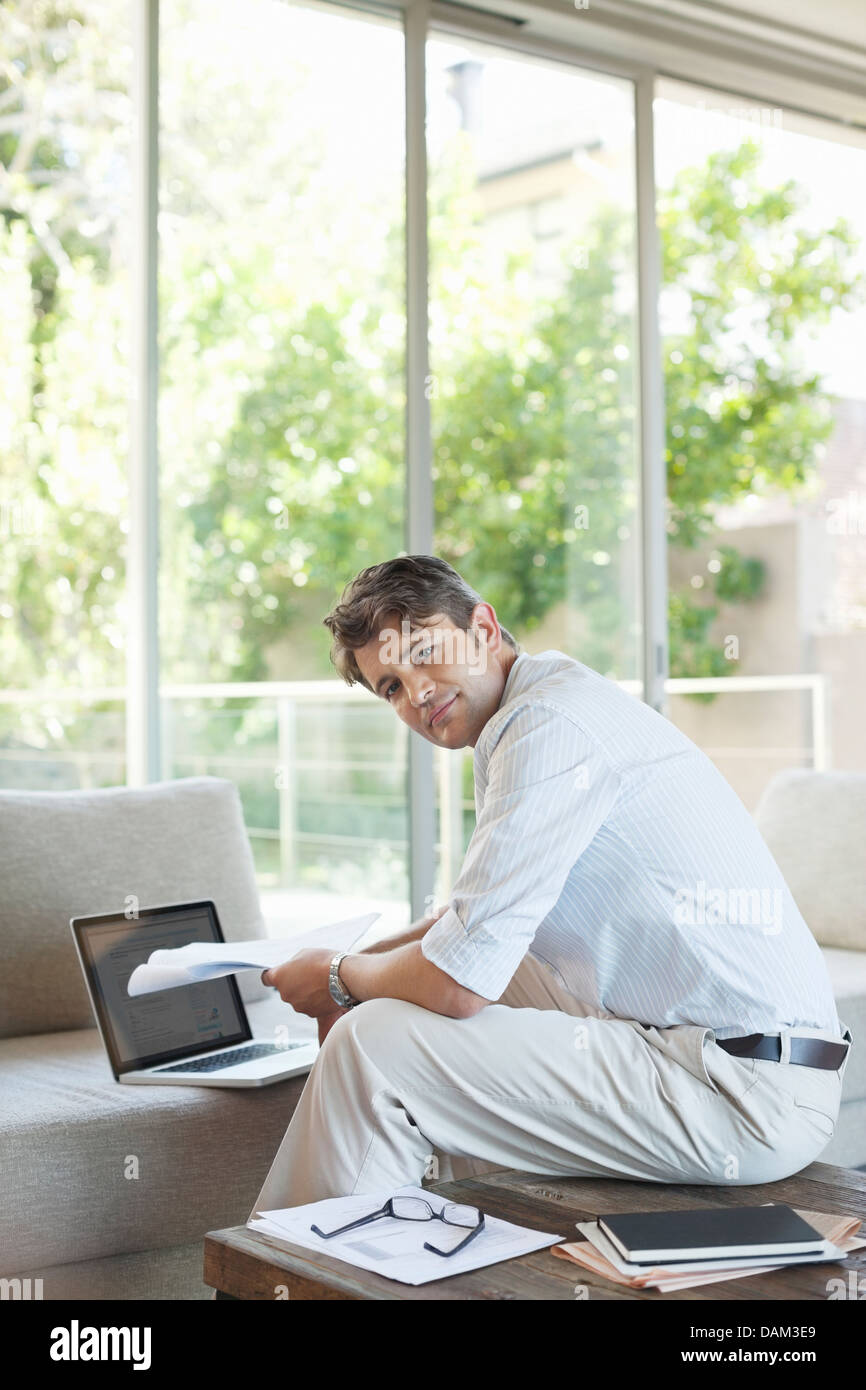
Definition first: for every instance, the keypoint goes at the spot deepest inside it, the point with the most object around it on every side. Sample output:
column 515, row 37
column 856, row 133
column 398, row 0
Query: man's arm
column 550, row 788
column 390, row 969
column 405, row 973
column 403, row 938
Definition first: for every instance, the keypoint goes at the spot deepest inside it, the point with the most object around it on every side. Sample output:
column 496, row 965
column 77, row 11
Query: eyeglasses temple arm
column 461, row 1245
column 362, row 1221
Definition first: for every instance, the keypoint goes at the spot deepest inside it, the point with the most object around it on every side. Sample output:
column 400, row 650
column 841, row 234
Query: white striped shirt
column 610, row 845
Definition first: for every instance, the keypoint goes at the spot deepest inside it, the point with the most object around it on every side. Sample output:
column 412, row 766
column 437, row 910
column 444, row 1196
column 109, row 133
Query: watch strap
column 340, row 995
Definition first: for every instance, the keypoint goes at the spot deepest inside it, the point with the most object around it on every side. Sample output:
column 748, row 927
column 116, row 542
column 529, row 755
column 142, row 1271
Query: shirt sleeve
column 549, row 789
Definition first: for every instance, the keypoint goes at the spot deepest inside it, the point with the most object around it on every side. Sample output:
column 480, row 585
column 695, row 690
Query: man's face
column 443, row 682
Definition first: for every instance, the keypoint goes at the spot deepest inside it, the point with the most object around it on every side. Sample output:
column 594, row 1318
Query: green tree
column 743, row 414
column 64, row 333
column 283, row 474
column 537, row 424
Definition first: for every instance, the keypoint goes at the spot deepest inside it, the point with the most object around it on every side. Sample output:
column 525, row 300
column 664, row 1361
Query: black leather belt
column 805, row 1052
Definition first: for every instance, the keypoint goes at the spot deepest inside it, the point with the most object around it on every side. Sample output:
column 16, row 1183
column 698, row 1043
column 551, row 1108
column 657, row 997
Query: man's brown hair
column 417, row 587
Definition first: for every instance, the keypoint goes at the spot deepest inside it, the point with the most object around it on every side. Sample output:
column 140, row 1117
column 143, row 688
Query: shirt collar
column 524, row 673
column 514, row 682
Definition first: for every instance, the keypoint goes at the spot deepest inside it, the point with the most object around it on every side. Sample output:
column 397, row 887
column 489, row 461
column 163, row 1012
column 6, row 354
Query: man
column 620, row 985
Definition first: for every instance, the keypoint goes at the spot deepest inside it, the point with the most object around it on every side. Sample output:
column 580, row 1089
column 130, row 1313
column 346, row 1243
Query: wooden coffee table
column 243, row 1265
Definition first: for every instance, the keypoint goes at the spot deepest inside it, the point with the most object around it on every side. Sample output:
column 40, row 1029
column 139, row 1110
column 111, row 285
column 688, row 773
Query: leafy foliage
column 283, row 463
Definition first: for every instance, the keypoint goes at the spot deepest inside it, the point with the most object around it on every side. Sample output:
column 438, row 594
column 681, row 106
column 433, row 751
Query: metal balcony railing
column 270, row 751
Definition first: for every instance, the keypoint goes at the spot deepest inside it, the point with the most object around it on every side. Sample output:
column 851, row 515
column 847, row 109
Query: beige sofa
column 69, row 1213
column 815, row 826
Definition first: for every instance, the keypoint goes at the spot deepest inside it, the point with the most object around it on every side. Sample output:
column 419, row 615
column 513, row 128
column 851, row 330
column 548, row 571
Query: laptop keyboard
column 219, row 1060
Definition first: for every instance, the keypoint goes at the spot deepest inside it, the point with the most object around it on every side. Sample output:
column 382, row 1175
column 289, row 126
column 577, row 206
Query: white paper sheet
column 393, row 1248
column 203, row 960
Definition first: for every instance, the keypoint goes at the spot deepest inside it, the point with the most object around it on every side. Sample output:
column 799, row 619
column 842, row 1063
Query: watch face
column 338, row 994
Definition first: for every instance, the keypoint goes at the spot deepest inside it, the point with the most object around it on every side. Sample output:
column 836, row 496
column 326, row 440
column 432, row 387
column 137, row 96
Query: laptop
column 195, row 1035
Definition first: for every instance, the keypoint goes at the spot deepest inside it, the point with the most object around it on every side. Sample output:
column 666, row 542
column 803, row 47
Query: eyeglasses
column 415, row 1209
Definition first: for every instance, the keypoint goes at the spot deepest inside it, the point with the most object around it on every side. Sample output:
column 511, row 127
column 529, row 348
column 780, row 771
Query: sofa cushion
column 89, row 1167
column 847, row 971
column 76, row 853
column 814, row 824
column 171, row 1273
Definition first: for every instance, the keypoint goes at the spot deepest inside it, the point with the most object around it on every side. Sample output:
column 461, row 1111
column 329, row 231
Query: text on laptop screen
column 149, row 1027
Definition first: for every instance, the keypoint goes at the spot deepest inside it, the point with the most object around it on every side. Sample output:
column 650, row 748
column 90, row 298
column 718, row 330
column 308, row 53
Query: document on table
column 840, row 1234
column 207, row 960
column 395, row 1248
column 593, row 1233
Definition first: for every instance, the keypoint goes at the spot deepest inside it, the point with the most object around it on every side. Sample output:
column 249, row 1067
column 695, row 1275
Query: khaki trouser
column 541, row 1083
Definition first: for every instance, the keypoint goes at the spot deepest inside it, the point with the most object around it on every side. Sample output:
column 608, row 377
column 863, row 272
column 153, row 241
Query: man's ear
column 479, row 638
column 482, row 633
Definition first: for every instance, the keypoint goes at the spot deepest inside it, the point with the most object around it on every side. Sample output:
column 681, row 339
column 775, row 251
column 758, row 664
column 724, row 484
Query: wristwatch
column 340, row 995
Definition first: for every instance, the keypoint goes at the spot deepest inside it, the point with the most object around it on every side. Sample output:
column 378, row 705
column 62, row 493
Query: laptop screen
column 172, row 1023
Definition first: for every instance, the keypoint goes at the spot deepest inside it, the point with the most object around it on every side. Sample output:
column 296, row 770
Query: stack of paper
column 208, row 960
column 396, row 1248
column 599, row 1255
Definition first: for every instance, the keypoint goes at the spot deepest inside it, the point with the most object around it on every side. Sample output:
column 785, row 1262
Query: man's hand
column 303, row 983
column 401, row 973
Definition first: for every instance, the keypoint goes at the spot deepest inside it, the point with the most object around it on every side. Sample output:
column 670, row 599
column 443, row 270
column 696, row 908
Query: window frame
column 533, row 28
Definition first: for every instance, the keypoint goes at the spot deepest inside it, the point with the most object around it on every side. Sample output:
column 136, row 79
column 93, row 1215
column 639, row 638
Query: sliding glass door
column 65, row 224
column 533, row 361
column 282, row 398
column 763, row 220
column 282, row 402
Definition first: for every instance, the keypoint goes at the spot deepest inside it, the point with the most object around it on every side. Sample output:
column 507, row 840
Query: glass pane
column 282, row 428
column 763, row 216
column 411, row 1209
column 64, row 347
column 461, row 1216
column 533, row 362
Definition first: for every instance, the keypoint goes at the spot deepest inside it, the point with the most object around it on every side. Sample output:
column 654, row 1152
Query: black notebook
column 710, row 1233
